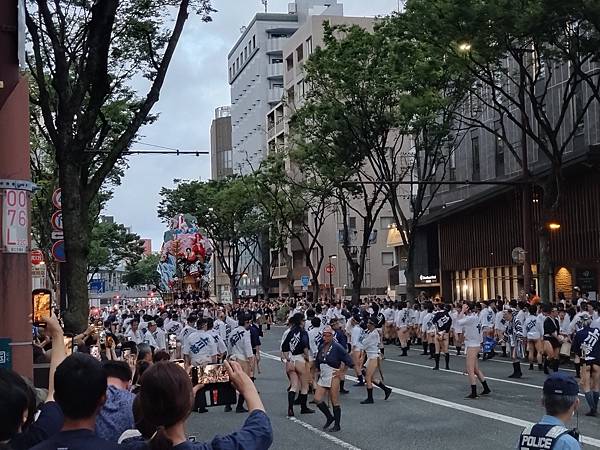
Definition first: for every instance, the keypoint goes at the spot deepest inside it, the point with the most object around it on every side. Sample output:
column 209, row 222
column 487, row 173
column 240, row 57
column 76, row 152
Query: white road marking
column 496, row 360
column 464, row 408
column 500, row 380
column 323, row 434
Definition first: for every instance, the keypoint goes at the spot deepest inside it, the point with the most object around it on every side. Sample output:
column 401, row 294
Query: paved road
column 427, row 409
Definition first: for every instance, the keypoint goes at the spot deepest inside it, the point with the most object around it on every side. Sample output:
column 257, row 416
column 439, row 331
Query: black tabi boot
column 473, row 393
column 546, row 364
column 541, row 367
column 361, row 381
column 486, row 388
column 425, row 347
column 385, row 389
column 504, row 351
column 458, row 348
column 291, row 398
column 555, row 364
column 531, row 366
column 342, row 390
column 369, row 398
column 431, row 351
column 303, row 408
column 325, row 410
column 516, row 370
column 437, row 361
column 298, row 400
column 240, row 405
column 577, row 370
column 447, row 360
column 337, row 415
column 404, row 351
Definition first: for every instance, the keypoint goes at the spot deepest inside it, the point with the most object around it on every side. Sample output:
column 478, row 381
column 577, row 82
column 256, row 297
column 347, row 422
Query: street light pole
column 331, row 291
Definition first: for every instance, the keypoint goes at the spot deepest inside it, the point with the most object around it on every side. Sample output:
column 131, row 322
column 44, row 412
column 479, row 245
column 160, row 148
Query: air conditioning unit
column 292, row 8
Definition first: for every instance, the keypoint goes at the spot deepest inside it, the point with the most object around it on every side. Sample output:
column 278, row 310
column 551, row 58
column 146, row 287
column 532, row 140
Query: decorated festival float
column 185, row 258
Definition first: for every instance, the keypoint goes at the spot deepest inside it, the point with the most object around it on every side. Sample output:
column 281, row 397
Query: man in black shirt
column 80, row 390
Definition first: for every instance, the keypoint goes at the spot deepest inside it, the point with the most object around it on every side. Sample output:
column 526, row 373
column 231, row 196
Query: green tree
column 83, row 58
column 111, row 245
column 143, row 272
column 296, row 203
column 379, row 110
column 229, row 216
column 533, row 69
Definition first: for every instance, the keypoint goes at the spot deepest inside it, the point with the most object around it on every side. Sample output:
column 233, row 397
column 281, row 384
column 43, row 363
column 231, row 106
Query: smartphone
column 42, row 306
column 95, row 352
column 68, row 344
column 213, row 373
column 172, row 341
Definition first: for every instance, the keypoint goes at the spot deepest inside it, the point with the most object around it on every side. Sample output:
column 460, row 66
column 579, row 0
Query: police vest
column 541, row 437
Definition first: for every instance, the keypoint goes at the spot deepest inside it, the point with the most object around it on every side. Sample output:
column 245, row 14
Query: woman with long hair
column 165, row 402
column 469, row 320
column 295, row 348
column 331, row 361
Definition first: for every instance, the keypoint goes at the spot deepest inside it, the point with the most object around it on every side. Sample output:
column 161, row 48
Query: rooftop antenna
column 266, row 3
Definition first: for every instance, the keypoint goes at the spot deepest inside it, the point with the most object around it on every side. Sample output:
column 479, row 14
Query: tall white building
column 256, row 69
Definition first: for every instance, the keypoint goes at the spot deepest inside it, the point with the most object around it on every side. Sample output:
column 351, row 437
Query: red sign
column 57, row 199
column 37, row 257
column 56, row 221
column 330, row 268
column 58, row 251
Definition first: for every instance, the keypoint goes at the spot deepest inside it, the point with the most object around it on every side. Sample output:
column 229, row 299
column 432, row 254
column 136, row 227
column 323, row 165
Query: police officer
column 561, row 401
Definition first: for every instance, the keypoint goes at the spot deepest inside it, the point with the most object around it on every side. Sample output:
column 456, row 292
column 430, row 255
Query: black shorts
column 591, row 362
column 553, row 341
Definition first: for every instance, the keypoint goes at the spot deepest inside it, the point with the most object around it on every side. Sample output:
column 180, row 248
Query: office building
column 220, row 144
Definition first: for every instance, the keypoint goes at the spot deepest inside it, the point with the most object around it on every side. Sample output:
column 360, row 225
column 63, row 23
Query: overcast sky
column 196, row 84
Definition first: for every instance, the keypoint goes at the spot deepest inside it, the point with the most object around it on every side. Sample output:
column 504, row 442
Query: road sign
column 305, row 280
column 57, row 198
column 5, row 354
column 56, row 221
column 58, row 251
column 98, row 286
column 15, row 221
column 58, row 235
column 37, row 257
column 330, row 268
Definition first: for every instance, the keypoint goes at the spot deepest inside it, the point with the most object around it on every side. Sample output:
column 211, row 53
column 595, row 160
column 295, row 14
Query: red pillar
column 15, row 268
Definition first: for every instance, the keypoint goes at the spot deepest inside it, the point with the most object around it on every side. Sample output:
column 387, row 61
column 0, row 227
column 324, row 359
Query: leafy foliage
column 143, row 272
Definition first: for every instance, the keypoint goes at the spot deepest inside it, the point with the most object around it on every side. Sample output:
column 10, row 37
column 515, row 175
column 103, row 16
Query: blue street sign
column 98, row 286
column 5, row 354
column 58, row 251
column 305, row 280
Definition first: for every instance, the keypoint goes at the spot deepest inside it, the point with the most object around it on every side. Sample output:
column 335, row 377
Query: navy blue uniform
column 295, row 341
column 334, row 357
column 341, row 338
column 586, row 344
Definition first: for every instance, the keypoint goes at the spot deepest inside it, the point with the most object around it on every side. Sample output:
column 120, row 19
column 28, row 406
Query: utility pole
column 526, row 189
column 15, row 188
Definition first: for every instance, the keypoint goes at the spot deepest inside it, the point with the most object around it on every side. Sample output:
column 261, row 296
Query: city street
column 427, row 409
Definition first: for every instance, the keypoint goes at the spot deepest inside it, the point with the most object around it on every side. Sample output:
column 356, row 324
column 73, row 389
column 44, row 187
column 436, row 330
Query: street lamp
column 464, row 47
column 554, row 225
column 331, row 257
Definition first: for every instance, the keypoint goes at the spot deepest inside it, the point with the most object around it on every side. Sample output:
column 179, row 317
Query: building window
column 230, row 72
column 499, row 157
column 253, row 42
column 289, row 61
column 291, row 98
column 352, row 223
column 246, row 53
column 476, row 164
column 300, row 53
column 309, row 46
column 452, row 163
column 578, row 108
column 276, row 60
column 386, row 222
column 387, row 258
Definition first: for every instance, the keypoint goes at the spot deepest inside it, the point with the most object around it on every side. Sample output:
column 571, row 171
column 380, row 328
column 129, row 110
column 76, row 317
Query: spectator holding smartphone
column 18, row 404
column 165, row 402
column 80, row 391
